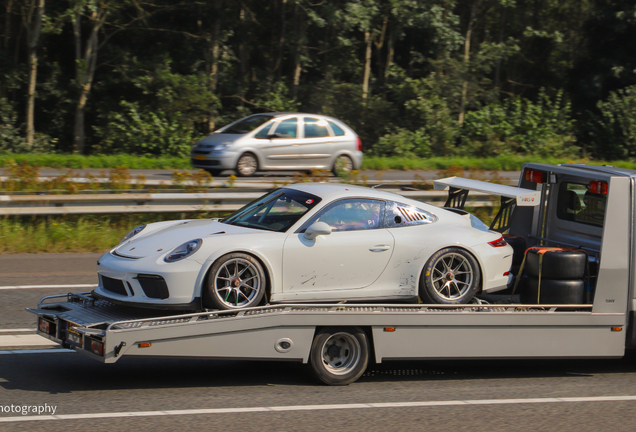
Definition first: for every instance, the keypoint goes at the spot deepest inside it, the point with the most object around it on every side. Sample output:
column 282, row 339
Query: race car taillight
column 359, row 144
column 500, row 242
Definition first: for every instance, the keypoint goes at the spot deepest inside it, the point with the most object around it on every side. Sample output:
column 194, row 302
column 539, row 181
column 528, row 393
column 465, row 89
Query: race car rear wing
column 511, row 196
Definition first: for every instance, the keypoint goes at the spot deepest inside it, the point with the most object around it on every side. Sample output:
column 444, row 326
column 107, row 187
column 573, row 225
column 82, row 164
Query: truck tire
column 450, row 276
column 339, row 355
column 557, row 264
column 235, row 281
column 552, row 291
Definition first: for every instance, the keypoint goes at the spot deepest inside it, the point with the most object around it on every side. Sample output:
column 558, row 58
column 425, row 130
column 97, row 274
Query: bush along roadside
column 502, row 162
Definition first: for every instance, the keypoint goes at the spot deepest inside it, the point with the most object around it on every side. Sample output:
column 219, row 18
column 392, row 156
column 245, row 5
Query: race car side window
column 351, row 215
column 401, row 215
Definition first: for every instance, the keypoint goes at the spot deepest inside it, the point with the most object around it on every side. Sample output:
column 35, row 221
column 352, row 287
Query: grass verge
column 74, row 233
column 499, row 163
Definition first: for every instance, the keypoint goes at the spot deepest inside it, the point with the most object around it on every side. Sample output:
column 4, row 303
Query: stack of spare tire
column 553, row 276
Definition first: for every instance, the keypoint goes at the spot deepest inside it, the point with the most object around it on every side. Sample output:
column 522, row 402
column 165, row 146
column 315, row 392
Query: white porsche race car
column 309, row 242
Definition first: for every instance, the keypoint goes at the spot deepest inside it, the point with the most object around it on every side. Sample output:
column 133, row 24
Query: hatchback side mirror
column 316, row 229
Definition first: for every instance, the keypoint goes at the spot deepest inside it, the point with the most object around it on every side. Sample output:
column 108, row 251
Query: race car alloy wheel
column 236, row 281
column 451, row 275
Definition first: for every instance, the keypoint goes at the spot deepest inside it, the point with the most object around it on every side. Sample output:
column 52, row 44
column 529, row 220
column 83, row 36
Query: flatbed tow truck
column 589, row 208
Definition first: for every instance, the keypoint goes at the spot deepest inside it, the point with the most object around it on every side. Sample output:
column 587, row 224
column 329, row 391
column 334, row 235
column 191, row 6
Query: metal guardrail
column 226, row 201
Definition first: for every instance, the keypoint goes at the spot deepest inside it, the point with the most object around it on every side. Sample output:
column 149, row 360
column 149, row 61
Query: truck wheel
column 247, row 165
column 557, row 264
column 450, row 276
column 339, row 356
column 235, row 281
column 552, row 291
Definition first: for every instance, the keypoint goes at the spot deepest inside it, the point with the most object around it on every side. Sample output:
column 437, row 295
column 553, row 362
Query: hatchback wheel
column 342, row 165
column 247, row 165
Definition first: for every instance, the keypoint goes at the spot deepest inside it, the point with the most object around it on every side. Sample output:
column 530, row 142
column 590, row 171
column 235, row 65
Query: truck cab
column 582, row 207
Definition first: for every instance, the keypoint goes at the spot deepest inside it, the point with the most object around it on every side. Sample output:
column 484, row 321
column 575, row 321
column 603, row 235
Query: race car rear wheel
column 235, row 281
column 451, row 275
column 339, row 356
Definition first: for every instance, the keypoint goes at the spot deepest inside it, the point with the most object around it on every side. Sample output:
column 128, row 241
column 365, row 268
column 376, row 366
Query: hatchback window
column 337, row 130
column 315, row 128
column 246, row 125
column 286, row 128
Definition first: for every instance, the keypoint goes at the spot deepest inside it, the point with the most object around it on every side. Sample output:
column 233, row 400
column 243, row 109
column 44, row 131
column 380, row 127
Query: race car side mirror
column 316, row 229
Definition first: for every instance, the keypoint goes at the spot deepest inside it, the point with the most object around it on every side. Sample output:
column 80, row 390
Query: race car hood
column 165, row 239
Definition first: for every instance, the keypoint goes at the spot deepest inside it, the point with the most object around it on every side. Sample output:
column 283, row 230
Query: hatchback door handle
column 380, row 248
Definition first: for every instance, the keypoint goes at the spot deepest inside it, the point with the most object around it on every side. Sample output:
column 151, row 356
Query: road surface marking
column 14, row 287
column 314, row 408
column 37, row 351
column 24, row 341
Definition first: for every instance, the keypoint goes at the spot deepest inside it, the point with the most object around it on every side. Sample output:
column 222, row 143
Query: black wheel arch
column 266, row 268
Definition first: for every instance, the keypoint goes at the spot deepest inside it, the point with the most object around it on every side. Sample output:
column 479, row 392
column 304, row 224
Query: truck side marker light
column 506, row 273
column 617, row 328
column 389, row 329
column 145, row 345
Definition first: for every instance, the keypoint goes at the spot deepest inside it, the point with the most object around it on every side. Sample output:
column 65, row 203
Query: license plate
column 199, row 157
column 74, row 339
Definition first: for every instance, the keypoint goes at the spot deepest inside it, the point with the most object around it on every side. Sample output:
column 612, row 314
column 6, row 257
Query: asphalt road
column 187, row 394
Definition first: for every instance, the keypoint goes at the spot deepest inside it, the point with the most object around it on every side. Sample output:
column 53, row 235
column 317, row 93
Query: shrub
column 145, row 133
column 520, row 126
column 404, row 143
column 614, row 129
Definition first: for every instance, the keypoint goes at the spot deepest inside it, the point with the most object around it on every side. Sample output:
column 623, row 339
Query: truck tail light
column 500, row 242
column 97, row 347
column 44, row 326
column 359, row 144
column 535, row 176
column 598, row 187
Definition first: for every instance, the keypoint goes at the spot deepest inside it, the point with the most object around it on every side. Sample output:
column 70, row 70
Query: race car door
column 353, row 256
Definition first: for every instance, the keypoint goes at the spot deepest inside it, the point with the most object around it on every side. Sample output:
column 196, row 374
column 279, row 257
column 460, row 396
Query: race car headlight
column 183, row 251
column 133, row 232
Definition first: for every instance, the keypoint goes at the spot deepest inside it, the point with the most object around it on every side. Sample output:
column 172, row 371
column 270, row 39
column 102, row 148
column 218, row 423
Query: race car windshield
column 276, row 211
column 246, row 125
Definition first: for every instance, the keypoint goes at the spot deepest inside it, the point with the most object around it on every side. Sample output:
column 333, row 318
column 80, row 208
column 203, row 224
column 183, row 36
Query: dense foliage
column 414, row 78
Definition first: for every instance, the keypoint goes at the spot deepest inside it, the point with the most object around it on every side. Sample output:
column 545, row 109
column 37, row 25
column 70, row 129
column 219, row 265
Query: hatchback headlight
column 223, row 146
column 183, row 251
column 133, row 232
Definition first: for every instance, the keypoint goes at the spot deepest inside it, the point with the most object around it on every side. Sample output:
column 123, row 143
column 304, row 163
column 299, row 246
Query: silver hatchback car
column 279, row 141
